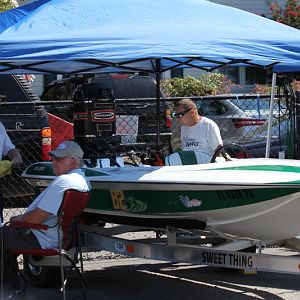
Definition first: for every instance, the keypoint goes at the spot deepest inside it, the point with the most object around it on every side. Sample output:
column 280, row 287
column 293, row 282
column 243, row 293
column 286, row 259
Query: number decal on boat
column 235, row 194
column 118, row 199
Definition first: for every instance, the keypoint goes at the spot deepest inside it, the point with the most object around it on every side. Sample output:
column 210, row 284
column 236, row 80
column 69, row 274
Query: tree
column 289, row 14
column 6, row 5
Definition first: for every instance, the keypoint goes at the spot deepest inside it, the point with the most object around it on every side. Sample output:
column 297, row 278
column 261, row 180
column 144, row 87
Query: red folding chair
column 72, row 206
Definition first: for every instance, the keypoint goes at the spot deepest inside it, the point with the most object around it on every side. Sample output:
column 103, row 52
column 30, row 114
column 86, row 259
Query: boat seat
column 187, row 158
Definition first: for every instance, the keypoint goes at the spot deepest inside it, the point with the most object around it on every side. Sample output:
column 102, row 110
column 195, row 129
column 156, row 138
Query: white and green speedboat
column 254, row 198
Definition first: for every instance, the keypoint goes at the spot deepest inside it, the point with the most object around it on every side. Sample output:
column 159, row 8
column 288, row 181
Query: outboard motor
column 94, row 115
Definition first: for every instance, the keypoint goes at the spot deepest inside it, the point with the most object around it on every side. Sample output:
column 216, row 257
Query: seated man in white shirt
column 67, row 162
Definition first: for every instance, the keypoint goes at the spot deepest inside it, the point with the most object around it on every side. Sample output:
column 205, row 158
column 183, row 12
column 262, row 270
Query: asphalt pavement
column 113, row 276
column 116, row 277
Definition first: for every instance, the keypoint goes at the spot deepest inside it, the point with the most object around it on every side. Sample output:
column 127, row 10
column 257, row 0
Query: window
column 232, row 73
column 211, row 107
column 257, row 76
column 49, row 93
column 62, row 92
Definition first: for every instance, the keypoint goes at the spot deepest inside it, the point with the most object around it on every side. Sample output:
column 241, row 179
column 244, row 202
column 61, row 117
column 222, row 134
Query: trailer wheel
column 41, row 276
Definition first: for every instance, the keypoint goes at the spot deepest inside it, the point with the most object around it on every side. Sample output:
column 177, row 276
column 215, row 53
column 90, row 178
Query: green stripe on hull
column 272, row 168
column 168, row 202
column 45, row 169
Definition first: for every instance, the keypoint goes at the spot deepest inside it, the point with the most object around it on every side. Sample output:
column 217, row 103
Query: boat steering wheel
column 222, row 150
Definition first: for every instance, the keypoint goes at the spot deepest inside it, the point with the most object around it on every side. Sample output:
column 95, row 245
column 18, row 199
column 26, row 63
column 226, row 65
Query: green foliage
column 206, row 84
column 289, row 14
column 262, row 89
column 266, row 88
column 6, row 5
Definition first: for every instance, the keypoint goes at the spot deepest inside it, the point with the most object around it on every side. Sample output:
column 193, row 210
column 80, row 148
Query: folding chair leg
column 62, row 275
column 64, row 281
column 83, row 280
column 18, row 270
column 80, row 250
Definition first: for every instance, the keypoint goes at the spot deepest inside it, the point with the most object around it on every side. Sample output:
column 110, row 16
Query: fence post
column 297, row 125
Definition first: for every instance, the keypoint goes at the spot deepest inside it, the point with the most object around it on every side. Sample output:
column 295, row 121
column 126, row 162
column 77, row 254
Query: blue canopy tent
column 75, row 36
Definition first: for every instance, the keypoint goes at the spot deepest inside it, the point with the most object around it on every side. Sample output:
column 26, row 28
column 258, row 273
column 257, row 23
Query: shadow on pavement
column 174, row 281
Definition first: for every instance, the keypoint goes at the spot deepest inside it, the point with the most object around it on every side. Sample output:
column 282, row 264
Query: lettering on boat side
column 190, row 203
column 235, row 194
column 227, row 259
column 120, row 247
column 118, row 200
column 42, row 183
column 39, row 168
column 130, row 203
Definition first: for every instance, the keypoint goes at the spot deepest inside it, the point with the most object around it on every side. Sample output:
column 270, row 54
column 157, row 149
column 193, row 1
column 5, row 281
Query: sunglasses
column 181, row 114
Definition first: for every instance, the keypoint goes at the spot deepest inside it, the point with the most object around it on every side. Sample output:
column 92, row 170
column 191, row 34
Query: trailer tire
column 41, row 276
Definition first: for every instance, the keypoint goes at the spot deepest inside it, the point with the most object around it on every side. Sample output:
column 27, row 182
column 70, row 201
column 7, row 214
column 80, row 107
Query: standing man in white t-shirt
column 198, row 133
column 8, row 149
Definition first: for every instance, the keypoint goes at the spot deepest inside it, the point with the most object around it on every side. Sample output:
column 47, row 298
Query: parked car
column 282, row 142
column 110, row 109
column 260, row 108
column 27, row 125
column 258, row 149
column 235, row 124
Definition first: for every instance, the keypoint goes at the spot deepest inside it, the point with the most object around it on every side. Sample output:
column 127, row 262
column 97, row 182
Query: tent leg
column 274, row 76
column 157, row 77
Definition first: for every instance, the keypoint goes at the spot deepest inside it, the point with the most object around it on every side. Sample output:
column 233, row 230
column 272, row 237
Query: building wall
column 22, row 2
column 258, row 7
column 38, row 84
column 254, row 6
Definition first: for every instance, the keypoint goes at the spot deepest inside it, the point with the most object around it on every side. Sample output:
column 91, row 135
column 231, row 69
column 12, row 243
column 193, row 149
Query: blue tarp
column 72, row 36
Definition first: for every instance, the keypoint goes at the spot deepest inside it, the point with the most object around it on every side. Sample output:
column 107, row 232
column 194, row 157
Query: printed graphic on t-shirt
column 204, row 136
column 189, row 142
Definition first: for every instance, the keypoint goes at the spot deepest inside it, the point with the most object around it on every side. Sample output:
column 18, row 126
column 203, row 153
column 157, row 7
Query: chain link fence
column 243, row 120
column 131, row 128
column 17, row 191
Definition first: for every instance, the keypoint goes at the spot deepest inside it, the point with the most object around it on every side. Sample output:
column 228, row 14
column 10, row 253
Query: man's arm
column 35, row 216
column 215, row 140
column 16, row 158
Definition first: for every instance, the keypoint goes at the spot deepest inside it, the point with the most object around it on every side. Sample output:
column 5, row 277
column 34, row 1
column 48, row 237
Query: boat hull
column 239, row 214
column 262, row 208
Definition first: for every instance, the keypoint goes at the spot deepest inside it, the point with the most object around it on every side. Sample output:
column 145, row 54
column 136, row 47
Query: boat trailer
column 190, row 246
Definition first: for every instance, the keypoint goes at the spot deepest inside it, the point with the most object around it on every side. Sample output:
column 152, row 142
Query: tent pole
column 274, row 76
column 157, row 78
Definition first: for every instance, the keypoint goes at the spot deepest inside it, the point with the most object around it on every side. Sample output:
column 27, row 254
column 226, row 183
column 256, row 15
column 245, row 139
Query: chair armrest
column 20, row 224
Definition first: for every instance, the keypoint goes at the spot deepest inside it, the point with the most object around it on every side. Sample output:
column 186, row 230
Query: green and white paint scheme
column 254, row 198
